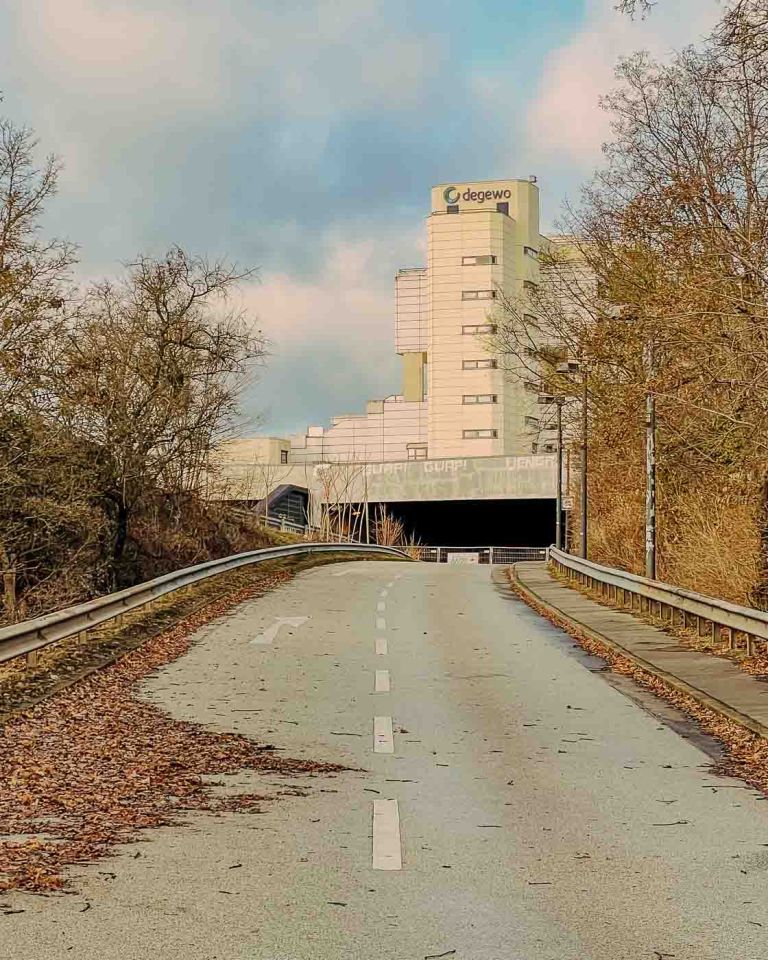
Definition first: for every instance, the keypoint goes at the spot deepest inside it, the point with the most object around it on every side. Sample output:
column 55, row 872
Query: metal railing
column 32, row 635
column 477, row 554
column 673, row 604
column 281, row 523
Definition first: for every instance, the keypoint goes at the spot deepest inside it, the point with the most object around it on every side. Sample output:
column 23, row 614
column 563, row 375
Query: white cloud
column 349, row 302
column 565, row 117
column 315, row 58
column 119, row 53
column 331, row 337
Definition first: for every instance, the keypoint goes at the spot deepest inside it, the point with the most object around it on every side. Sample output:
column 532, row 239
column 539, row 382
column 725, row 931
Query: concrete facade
column 456, row 404
column 470, row 478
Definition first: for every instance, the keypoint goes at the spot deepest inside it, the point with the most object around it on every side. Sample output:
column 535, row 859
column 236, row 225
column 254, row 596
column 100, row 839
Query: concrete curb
column 575, row 627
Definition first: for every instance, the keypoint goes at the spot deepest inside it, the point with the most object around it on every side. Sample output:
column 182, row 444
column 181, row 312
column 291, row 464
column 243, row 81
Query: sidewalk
column 714, row 681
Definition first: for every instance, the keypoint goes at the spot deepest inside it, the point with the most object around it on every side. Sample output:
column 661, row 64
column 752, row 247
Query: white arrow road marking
column 383, row 738
column 387, row 853
column 381, row 681
column 383, row 594
column 381, row 646
column 271, row 632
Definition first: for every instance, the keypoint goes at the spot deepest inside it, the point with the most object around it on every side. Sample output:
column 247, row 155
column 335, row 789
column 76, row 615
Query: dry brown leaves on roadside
column 91, row 767
column 746, row 752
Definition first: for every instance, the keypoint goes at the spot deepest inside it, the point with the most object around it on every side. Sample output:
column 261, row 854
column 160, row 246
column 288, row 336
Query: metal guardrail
column 484, row 554
column 32, row 635
column 666, row 601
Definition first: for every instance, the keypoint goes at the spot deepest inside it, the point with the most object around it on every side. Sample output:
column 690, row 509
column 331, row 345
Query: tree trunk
column 9, row 584
column 121, row 534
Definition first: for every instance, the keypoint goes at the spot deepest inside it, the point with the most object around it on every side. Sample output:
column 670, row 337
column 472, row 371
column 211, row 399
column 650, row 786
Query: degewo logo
column 452, row 196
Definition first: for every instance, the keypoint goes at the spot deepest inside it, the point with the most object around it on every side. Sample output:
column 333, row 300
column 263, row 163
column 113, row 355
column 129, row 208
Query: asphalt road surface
column 510, row 802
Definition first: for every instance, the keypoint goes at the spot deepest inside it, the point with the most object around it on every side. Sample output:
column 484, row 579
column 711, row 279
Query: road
column 528, row 810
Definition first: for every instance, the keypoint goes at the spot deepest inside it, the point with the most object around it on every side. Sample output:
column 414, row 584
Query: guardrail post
column 731, row 641
column 32, row 659
column 750, row 644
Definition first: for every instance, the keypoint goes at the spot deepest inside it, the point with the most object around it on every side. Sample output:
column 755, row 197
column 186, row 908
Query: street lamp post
column 568, row 368
column 584, row 459
column 559, row 400
column 650, row 469
column 559, row 517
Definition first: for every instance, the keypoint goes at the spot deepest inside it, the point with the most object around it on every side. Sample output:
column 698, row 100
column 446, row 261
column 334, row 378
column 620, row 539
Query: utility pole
column 559, row 517
column 367, row 514
column 548, row 399
column 584, row 425
column 650, row 467
column 567, row 513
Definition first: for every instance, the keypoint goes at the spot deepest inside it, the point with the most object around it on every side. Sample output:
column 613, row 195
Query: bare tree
column 34, row 273
column 154, row 365
column 41, row 503
column 634, row 7
column 674, row 232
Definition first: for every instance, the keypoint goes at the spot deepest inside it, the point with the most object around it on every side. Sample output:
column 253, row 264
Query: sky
column 301, row 138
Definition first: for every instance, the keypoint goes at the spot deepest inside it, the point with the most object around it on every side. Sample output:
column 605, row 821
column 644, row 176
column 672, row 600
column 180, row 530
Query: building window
column 417, row 453
column 479, row 260
column 532, row 422
column 549, row 448
column 530, row 252
column 479, row 434
column 502, row 208
column 479, row 398
column 452, row 208
column 478, row 364
column 534, row 447
column 530, row 285
column 470, row 328
column 283, row 456
column 478, row 294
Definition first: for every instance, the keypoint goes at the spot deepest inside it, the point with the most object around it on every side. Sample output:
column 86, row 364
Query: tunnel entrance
column 471, row 523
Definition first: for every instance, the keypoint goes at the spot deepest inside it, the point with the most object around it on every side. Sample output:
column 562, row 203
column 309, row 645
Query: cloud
column 332, row 337
column 302, row 136
column 120, row 55
column 565, row 116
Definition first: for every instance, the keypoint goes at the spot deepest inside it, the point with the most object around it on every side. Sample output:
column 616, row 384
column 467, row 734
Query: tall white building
column 483, row 243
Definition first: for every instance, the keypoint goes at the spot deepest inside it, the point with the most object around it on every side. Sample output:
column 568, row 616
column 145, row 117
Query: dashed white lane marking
column 381, row 646
column 381, row 681
column 271, row 632
column 381, row 623
column 381, row 606
column 387, row 851
column 383, row 738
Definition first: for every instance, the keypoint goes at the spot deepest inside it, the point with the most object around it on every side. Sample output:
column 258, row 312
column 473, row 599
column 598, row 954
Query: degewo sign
column 482, row 195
